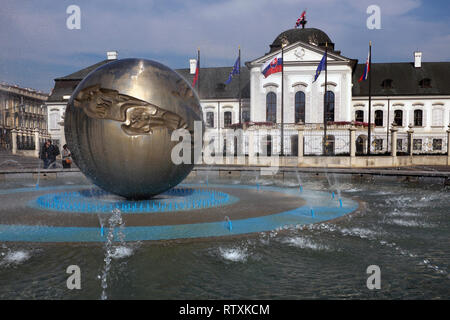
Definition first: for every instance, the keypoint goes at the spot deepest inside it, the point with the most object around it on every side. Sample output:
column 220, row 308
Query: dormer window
column 425, row 83
column 387, row 84
column 220, row 86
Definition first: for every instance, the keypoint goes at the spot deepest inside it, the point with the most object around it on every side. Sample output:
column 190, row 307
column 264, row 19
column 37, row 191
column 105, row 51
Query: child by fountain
column 66, row 157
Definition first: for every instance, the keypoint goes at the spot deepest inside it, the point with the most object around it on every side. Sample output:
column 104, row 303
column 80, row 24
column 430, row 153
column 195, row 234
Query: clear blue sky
column 37, row 46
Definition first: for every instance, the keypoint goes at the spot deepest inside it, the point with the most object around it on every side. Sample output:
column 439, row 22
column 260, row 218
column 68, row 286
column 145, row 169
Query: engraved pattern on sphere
column 141, row 117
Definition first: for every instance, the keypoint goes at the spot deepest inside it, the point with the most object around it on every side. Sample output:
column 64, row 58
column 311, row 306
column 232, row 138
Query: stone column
column 352, row 141
column 352, row 145
column 14, row 141
column 20, row 135
column 251, row 147
column 300, row 145
column 37, row 144
column 394, row 145
column 410, row 140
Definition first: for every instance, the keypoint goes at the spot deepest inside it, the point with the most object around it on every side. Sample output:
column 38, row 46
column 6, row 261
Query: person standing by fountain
column 66, row 157
column 49, row 152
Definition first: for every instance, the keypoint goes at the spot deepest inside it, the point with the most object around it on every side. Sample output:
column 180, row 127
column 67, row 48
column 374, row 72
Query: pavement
column 10, row 163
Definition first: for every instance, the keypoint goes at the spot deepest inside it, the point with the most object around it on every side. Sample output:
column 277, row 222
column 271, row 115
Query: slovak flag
column 302, row 17
column 197, row 70
column 273, row 66
column 365, row 75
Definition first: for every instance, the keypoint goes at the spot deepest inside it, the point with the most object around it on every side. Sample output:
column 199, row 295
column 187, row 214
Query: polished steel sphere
column 118, row 126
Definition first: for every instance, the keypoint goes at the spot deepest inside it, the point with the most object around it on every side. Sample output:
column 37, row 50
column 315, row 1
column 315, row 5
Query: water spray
column 229, row 225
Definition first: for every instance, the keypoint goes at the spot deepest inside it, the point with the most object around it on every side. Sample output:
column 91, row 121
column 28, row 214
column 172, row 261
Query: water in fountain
column 115, row 221
column 334, row 186
column 55, row 165
column 39, row 173
column 257, row 179
column 300, row 184
column 228, row 224
column 102, row 229
column 8, row 162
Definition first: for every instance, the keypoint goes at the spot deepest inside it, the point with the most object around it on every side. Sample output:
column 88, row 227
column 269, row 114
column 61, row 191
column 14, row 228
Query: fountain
column 292, row 226
column 276, row 230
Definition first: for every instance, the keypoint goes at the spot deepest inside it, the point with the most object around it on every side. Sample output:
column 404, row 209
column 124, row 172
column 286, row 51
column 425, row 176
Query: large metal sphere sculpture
column 118, row 126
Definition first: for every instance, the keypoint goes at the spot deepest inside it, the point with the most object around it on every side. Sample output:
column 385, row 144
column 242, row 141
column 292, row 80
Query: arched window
column 329, row 103
column 398, row 118
column 227, row 118
column 300, row 107
column 425, row 83
column 418, row 116
column 379, row 118
column 210, row 119
column 359, row 116
column 271, row 107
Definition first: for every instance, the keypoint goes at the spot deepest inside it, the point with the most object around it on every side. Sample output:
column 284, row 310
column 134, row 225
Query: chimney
column 112, row 55
column 417, row 59
column 193, row 65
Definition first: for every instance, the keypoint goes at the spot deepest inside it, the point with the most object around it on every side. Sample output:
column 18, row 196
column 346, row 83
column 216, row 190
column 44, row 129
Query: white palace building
column 411, row 99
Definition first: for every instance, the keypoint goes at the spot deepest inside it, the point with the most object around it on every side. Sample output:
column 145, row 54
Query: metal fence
column 402, row 143
column 267, row 141
column 336, row 143
column 25, row 143
column 430, row 144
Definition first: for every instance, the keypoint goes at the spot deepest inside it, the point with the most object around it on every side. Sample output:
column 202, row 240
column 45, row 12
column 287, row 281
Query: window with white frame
column 54, row 118
column 438, row 117
column 210, row 119
column 227, row 118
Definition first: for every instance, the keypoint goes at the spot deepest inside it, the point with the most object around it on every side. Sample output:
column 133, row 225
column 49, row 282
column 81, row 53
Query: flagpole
column 325, row 105
column 240, row 111
column 370, row 99
column 198, row 78
column 282, row 100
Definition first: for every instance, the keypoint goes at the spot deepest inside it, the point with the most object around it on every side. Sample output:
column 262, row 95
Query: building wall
column 299, row 76
column 435, row 116
column 219, row 107
column 24, row 111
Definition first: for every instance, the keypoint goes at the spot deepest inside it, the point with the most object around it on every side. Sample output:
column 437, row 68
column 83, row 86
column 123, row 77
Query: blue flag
column 234, row 71
column 321, row 66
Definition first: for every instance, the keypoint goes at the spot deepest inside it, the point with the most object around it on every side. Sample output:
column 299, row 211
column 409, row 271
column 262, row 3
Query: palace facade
column 409, row 97
column 23, row 118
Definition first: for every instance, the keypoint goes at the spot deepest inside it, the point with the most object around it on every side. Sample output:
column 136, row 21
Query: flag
column 365, row 74
column 196, row 73
column 321, row 66
column 234, row 71
column 302, row 17
column 273, row 66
